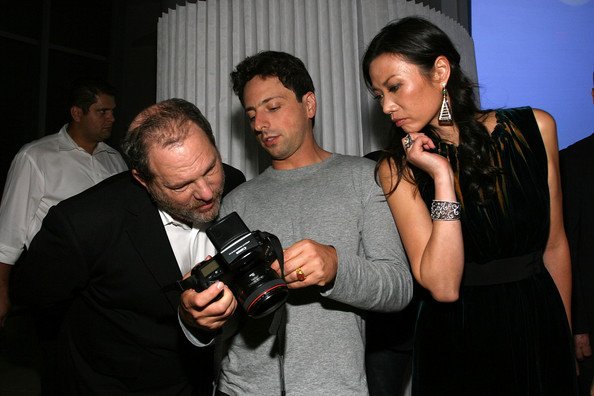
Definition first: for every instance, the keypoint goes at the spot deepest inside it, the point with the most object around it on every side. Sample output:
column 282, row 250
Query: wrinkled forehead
column 179, row 136
column 187, row 159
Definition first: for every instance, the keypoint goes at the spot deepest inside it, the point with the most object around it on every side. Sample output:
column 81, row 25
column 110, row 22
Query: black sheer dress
column 508, row 333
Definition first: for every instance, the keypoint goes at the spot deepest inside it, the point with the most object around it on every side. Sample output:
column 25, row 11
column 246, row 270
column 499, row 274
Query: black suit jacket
column 107, row 251
column 233, row 178
column 577, row 176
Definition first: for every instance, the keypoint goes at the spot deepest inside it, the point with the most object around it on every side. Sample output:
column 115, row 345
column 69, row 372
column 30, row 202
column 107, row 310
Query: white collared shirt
column 43, row 173
column 190, row 244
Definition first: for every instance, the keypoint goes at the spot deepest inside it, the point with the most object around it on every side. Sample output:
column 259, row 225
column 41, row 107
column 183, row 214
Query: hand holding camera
column 243, row 264
column 207, row 309
column 308, row 263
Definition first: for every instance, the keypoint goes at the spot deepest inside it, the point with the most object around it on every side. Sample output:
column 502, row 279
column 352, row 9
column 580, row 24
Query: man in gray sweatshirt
column 342, row 252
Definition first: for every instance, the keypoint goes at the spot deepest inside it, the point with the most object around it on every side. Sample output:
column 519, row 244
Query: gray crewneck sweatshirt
column 335, row 202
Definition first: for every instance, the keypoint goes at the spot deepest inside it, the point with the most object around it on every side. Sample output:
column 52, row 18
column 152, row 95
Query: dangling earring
column 445, row 114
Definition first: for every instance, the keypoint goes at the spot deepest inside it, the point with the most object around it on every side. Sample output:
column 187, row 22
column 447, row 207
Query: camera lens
column 267, row 298
column 256, row 286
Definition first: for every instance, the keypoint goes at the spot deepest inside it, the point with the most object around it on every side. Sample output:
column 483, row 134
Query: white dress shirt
column 190, row 244
column 43, row 173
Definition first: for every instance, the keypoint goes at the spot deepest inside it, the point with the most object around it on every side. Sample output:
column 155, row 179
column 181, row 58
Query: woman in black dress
column 476, row 198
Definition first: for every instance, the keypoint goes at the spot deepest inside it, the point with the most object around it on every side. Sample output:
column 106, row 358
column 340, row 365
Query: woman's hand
column 419, row 150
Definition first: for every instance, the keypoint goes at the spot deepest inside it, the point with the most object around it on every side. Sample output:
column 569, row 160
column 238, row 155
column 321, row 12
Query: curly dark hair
column 290, row 70
column 420, row 42
column 165, row 124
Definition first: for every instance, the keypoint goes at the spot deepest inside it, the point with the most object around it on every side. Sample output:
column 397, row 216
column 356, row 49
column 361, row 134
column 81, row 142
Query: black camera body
column 242, row 263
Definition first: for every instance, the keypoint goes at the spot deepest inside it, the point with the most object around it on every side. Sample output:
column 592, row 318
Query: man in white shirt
column 53, row 168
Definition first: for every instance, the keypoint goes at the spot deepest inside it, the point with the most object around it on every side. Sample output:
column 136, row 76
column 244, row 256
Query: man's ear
column 139, row 179
column 76, row 113
column 441, row 70
column 310, row 104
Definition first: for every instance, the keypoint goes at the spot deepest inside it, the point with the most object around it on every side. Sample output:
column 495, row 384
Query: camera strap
column 278, row 325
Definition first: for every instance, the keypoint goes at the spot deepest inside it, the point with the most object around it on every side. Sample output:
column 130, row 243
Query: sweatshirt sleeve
column 378, row 278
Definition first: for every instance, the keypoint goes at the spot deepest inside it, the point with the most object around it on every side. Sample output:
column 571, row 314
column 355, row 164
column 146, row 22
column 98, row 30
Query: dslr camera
column 242, row 263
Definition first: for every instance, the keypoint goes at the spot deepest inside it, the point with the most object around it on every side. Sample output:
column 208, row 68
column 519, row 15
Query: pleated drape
column 200, row 43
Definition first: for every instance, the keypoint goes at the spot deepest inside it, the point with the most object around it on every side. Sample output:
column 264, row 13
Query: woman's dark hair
column 420, row 42
column 164, row 124
column 289, row 69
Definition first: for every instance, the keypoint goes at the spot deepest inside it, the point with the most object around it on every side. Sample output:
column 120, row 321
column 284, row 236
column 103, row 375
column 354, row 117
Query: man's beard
column 188, row 214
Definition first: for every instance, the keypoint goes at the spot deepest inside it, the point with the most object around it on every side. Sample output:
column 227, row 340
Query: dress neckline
column 498, row 130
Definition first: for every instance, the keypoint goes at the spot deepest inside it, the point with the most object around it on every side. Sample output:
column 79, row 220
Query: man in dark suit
column 577, row 175
column 115, row 250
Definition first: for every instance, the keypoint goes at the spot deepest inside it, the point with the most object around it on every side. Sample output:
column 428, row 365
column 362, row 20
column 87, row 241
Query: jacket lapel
column 147, row 233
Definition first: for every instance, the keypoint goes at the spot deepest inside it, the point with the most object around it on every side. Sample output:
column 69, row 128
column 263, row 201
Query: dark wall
column 134, row 58
column 47, row 44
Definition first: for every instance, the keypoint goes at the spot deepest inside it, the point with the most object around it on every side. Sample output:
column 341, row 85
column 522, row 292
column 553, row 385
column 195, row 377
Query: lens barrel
column 266, row 299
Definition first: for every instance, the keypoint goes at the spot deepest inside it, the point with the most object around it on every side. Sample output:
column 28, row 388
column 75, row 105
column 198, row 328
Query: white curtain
column 200, row 43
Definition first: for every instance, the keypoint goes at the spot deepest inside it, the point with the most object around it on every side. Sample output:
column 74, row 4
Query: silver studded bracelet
column 445, row 210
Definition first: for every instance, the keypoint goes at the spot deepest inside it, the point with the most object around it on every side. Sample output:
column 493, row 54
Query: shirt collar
column 167, row 219
column 66, row 143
